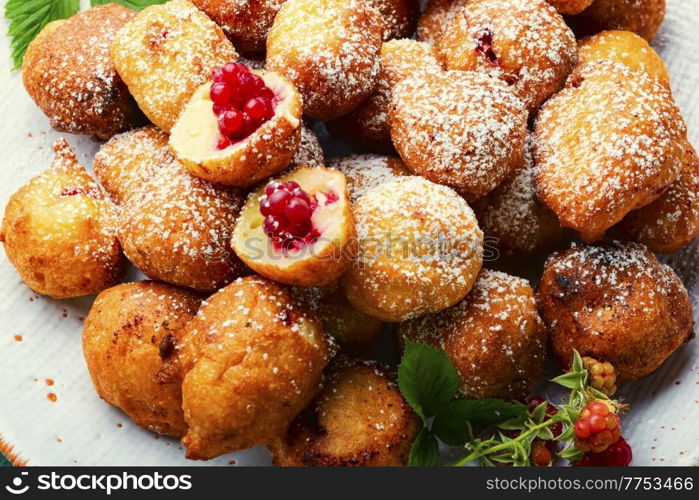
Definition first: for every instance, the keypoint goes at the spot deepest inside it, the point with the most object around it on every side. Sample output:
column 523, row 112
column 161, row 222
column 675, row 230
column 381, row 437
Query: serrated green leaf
column 570, row 380
column 28, row 17
column 425, row 450
column 427, row 378
column 462, row 419
column 131, row 4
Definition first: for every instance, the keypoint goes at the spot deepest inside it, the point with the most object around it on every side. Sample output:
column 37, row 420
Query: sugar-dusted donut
column 642, row 17
column 364, row 172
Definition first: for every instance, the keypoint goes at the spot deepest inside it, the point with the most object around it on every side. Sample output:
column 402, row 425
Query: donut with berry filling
column 569, row 7
column 239, row 129
column 437, row 18
column 513, row 218
column 494, row 337
column 299, row 229
column 399, row 59
column 459, row 128
column 310, row 152
column 642, row 17
column 254, row 358
column 355, row 331
column 524, row 43
column 399, row 17
column 165, row 53
column 130, row 343
column 617, row 303
column 671, row 221
column 60, row 231
column 420, row 250
column 128, row 160
column 624, row 47
column 359, row 419
column 611, row 142
column 329, row 49
column 364, row 172
column 176, row 228
column 70, row 75
column 245, row 23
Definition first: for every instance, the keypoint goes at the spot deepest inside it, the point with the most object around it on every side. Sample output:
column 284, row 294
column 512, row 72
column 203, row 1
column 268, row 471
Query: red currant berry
column 541, row 455
column 297, row 210
column 220, row 93
column 278, row 200
column 230, row 122
column 256, row 108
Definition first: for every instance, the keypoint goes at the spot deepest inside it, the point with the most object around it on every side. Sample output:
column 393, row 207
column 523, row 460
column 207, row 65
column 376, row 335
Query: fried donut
column 617, row 303
column 59, row 231
column 420, row 250
column 610, row 143
column 494, row 337
column 310, row 152
column 165, row 53
column 69, row 73
column 524, row 43
column 355, row 331
column 130, row 159
column 176, row 228
column 399, row 17
column 245, row 23
column 459, row 128
column 399, row 59
column 514, row 219
column 624, row 47
column 642, row 17
column 359, row 419
column 570, row 7
column 329, row 49
column 367, row 171
column 437, row 18
column 671, row 221
column 130, row 343
column 256, row 359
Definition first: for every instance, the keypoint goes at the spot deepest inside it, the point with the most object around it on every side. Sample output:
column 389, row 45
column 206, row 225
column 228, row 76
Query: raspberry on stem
column 597, row 428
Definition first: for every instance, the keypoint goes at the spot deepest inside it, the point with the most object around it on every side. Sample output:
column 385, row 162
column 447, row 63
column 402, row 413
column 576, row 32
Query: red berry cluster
column 596, row 428
column 617, row 455
column 287, row 210
column 542, row 452
column 242, row 102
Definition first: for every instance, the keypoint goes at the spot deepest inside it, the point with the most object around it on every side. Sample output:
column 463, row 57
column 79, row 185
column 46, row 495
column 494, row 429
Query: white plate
column 78, row 428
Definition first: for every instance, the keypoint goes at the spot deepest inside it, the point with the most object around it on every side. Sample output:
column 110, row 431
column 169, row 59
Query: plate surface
column 78, row 428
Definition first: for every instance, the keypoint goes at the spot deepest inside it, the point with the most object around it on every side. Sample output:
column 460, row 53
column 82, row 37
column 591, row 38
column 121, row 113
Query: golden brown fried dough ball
column 176, row 228
column 364, row 172
column 127, row 161
column 437, row 18
column 420, row 250
column 59, row 231
column 524, row 43
column 310, row 152
column 256, row 359
column 570, row 7
column 494, row 337
column 643, row 17
column 359, row 419
column 459, row 128
column 246, row 23
column 513, row 218
column 671, row 221
column 624, row 47
column 165, row 53
column 130, row 343
column 399, row 59
column 69, row 73
column 607, row 144
column 329, row 49
column 617, row 303
column 399, row 17
column 355, row 331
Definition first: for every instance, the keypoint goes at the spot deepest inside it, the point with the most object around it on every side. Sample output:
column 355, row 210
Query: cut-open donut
column 299, row 229
column 240, row 128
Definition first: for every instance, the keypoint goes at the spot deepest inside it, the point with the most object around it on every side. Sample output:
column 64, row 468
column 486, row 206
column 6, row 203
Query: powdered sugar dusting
column 367, row 171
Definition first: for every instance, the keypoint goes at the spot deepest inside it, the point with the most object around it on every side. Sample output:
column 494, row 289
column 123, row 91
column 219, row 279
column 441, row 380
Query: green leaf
column 539, row 413
column 461, row 419
column 28, row 17
column 577, row 365
column 131, row 4
column 570, row 380
column 427, row 378
column 425, row 450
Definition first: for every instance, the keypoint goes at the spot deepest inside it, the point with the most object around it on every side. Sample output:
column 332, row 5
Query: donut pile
column 493, row 135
